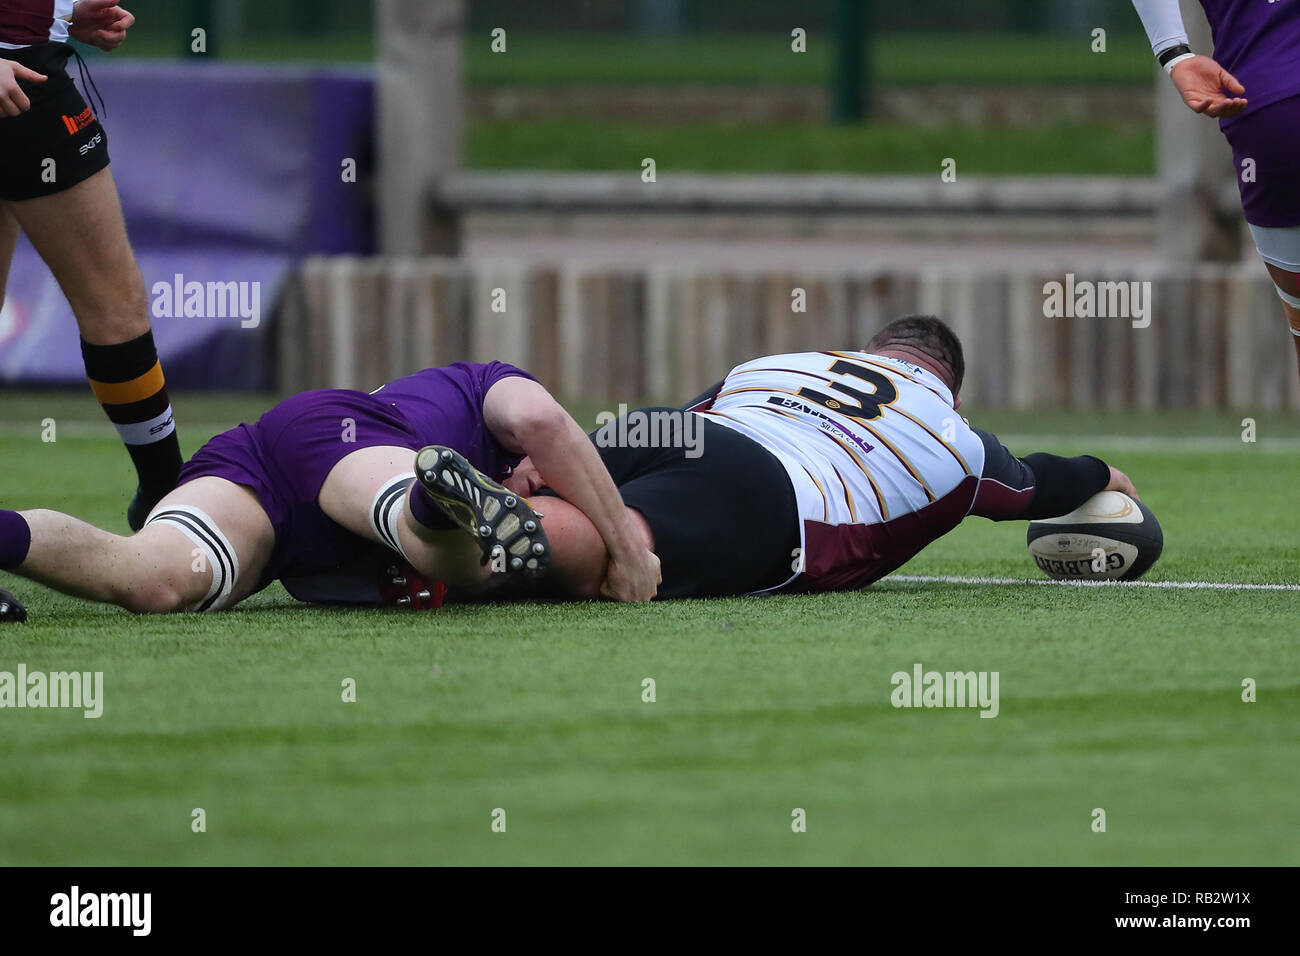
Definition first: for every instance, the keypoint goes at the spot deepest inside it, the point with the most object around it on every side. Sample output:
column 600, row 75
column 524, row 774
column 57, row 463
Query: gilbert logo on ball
column 1110, row 537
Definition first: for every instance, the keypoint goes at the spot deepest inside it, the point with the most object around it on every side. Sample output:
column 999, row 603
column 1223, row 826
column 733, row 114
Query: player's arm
column 526, row 420
column 1202, row 83
column 1039, row 485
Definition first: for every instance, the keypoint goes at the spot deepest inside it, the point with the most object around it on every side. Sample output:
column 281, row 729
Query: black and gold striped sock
column 128, row 381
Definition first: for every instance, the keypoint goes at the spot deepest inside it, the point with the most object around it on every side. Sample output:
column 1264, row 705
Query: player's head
column 928, row 336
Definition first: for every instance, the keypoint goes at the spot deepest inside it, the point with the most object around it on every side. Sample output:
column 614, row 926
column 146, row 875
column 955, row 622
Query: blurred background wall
column 816, row 169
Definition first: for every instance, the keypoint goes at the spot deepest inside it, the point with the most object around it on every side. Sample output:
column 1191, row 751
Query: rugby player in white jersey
column 815, row 471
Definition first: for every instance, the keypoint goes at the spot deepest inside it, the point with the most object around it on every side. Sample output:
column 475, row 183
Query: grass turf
column 581, row 58
column 573, row 143
column 1125, row 700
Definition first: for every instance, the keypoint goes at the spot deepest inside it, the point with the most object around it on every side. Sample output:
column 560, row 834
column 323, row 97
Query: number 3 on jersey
column 869, row 403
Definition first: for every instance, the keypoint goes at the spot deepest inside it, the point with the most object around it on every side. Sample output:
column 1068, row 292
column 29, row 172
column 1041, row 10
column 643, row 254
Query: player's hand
column 632, row 578
column 525, row 479
column 1120, row 482
column 1202, row 83
column 13, row 100
column 100, row 23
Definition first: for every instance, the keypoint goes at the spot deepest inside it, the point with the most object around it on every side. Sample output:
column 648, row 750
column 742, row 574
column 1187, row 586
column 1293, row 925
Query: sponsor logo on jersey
column 95, row 141
column 824, row 422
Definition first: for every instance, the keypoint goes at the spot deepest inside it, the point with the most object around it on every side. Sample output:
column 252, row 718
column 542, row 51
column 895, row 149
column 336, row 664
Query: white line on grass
column 1164, row 585
column 1155, row 442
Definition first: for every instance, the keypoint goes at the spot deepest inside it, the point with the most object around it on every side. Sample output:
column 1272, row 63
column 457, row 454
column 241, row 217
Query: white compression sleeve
column 1163, row 22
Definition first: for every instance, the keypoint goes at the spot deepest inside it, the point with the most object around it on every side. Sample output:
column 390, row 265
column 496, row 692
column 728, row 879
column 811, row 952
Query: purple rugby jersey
column 288, row 453
column 1258, row 42
column 445, row 407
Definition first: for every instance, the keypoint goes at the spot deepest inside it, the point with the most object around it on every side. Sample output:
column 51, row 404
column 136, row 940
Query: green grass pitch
column 1127, row 700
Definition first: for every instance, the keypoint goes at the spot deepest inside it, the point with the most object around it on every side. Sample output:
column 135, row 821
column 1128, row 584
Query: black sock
column 128, row 381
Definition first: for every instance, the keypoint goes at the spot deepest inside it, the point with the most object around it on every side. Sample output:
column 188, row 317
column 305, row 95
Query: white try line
column 1153, row 442
column 1162, row 585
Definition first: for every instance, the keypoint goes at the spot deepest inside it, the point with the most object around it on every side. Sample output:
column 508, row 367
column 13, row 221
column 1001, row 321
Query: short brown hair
column 927, row 334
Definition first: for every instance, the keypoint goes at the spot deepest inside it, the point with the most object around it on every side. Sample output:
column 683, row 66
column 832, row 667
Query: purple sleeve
column 488, row 375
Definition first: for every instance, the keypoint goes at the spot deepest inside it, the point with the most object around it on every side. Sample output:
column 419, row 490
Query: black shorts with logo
column 56, row 144
column 725, row 522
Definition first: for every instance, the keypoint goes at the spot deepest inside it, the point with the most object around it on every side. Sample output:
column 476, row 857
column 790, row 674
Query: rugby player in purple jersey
column 1252, row 85
column 328, row 477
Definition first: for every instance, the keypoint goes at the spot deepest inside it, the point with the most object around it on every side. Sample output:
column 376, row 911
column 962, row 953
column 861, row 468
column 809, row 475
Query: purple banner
column 228, row 175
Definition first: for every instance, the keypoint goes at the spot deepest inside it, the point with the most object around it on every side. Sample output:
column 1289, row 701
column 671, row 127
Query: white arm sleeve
column 1163, row 22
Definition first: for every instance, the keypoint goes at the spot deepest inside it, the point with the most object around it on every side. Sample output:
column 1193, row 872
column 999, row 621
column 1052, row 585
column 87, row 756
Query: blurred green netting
column 989, row 66
column 687, row 41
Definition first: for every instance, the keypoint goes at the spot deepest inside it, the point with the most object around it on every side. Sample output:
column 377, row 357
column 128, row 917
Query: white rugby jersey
column 25, row 23
column 880, row 461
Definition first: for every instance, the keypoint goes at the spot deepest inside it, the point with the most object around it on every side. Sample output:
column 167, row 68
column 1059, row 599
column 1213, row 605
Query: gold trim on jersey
column 848, row 495
column 893, row 407
column 952, row 451
column 903, row 458
column 792, row 371
column 886, row 368
column 755, row 388
column 826, row 502
column 853, row 457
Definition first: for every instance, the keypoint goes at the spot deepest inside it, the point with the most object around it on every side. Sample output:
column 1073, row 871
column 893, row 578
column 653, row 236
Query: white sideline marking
column 1154, row 442
column 1163, row 585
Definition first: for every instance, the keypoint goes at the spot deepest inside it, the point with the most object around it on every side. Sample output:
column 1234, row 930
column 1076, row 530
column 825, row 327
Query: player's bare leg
column 81, row 235
column 349, row 495
column 168, row 566
column 1289, row 284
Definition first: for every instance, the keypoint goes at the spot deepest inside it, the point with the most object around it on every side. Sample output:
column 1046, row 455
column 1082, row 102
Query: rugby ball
column 1110, row 537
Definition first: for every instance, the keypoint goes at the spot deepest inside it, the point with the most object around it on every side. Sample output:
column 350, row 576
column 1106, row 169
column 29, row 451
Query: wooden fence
column 1216, row 336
